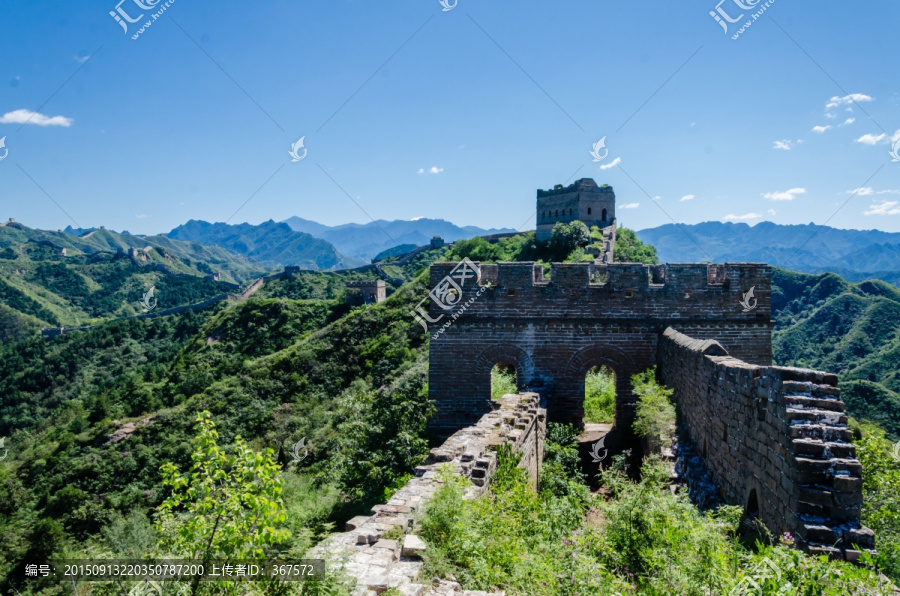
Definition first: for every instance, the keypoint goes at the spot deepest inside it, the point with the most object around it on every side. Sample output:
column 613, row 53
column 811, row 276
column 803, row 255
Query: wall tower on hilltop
column 583, row 201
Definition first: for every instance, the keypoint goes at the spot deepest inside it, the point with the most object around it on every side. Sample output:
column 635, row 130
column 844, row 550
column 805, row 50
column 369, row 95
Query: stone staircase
column 829, row 474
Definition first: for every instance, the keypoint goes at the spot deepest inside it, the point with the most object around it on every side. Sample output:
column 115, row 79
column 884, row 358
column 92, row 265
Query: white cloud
column 142, row 216
column 687, row 198
column 884, row 208
column 784, row 144
column 82, row 59
column 847, row 100
column 787, row 195
column 862, row 191
column 418, row 218
column 888, row 192
column 745, row 217
column 29, row 117
column 821, row 129
column 630, row 206
column 612, row 164
column 870, row 139
column 657, row 197
column 847, row 122
column 771, row 212
column 431, row 170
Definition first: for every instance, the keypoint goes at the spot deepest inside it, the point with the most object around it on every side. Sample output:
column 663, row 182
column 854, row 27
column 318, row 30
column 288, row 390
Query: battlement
column 585, row 184
column 685, row 278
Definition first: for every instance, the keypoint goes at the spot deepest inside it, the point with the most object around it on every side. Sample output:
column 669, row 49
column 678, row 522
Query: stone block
column 413, row 546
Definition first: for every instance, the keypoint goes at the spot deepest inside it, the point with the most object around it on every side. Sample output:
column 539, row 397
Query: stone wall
column 774, row 439
column 553, row 331
column 377, row 564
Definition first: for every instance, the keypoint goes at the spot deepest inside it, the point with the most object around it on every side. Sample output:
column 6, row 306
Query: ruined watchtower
column 583, row 201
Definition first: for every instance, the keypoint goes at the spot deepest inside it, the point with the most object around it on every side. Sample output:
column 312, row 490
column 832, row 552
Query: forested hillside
column 852, row 329
column 54, row 278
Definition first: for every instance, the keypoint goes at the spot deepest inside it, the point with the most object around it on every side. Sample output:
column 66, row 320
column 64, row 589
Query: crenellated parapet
column 733, row 291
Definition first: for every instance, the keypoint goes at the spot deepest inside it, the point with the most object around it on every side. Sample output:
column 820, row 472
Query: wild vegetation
column 639, row 539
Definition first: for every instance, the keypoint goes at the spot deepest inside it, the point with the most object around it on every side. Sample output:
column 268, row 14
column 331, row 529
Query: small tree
column 228, row 507
column 566, row 237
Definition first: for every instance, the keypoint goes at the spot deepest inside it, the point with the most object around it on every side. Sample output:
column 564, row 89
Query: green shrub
column 600, row 395
column 655, row 417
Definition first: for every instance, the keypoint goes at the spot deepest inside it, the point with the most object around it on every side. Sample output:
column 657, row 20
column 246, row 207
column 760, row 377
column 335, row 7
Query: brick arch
column 569, row 406
column 508, row 354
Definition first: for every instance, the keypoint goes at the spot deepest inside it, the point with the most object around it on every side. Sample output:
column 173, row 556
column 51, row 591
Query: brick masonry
column 375, row 564
column 773, row 438
column 553, row 331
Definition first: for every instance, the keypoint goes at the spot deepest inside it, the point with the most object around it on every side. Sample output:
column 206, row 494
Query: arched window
column 589, row 210
column 557, row 213
column 543, row 215
column 603, row 215
column 570, row 211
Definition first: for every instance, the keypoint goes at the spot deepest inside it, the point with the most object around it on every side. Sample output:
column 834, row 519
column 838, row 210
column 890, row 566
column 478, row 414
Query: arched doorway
column 503, row 380
column 603, row 215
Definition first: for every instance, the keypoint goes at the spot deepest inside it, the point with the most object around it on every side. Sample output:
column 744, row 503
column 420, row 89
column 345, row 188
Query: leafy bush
column 655, row 417
column 630, row 249
column 503, row 381
column 600, row 395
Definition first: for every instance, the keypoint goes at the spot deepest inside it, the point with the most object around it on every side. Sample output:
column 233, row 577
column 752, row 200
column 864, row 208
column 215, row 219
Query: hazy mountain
column 364, row 241
column 271, row 243
column 854, row 254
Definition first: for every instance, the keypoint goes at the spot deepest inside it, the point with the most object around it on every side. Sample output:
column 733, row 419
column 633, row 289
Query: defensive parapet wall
column 376, row 564
column 774, row 439
column 554, row 330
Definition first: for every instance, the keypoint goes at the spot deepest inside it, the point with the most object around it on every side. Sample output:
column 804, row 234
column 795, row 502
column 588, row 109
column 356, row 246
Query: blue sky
column 414, row 111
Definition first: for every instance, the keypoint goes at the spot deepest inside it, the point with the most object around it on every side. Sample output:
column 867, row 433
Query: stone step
column 812, row 402
column 817, row 449
column 805, row 414
column 821, row 432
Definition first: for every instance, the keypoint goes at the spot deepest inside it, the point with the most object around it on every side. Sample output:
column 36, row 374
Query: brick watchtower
column 583, row 201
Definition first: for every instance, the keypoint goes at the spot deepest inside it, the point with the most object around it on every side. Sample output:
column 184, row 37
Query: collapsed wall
column 362, row 553
column 774, row 439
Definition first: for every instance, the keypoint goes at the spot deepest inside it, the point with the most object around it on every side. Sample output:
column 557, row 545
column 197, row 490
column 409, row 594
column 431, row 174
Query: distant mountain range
column 365, row 241
column 853, row 254
column 269, row 243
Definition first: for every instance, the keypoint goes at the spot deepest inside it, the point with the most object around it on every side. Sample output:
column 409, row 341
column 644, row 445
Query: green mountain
column 270, row 243
column 856, row 255
column 852, row 329
column 55, row 278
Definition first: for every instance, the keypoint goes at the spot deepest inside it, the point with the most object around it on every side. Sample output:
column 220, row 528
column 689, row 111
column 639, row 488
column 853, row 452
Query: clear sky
column 415, row 111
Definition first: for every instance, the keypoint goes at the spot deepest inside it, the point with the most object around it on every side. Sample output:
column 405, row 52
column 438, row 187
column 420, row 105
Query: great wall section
column 773, row 439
